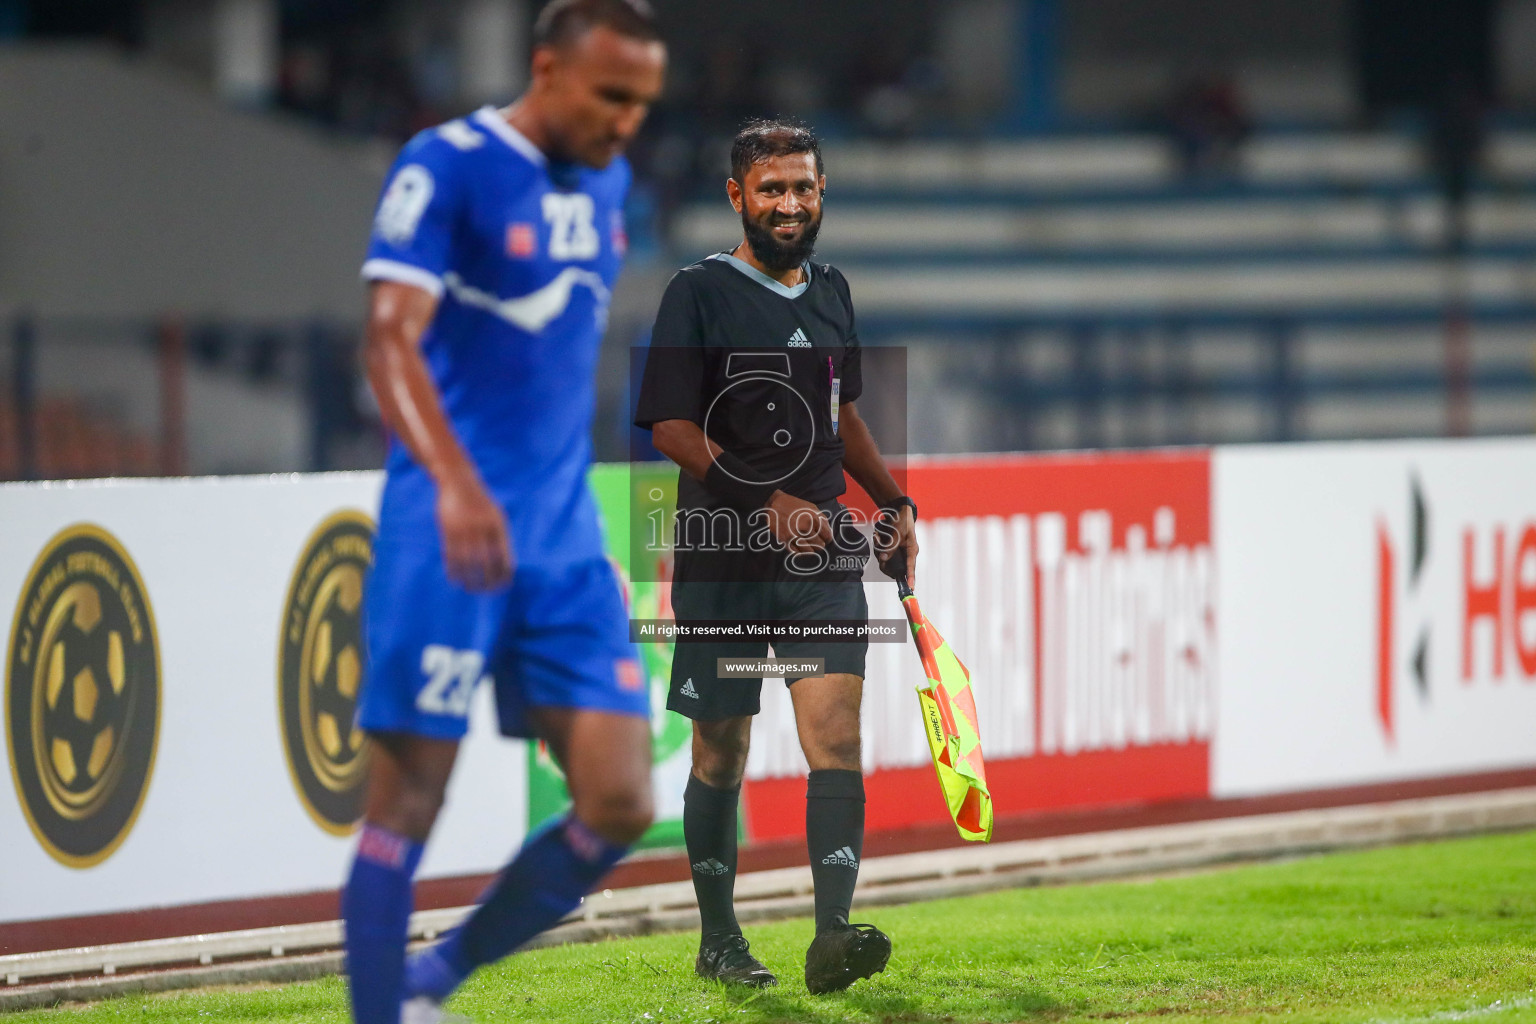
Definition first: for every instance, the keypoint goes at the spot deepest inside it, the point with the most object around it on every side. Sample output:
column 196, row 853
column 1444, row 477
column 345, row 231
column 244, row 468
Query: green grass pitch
column 1432, row 932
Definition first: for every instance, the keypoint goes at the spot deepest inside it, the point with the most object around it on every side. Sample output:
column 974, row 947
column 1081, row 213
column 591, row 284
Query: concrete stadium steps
column 1151, row 384
column 1168, row 229
column 999, row 291
column 1140, row 162
column 1082, row 292
column 950, row 422
column 130, row 191
column 1120, row 161
column 1217, row 357
column 301, row 951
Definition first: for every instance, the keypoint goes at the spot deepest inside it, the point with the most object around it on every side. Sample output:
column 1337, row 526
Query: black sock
column 834, row 835
column 709, row 830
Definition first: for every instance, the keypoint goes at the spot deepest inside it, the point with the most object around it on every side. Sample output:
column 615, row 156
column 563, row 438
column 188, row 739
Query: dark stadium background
column 1090, row 223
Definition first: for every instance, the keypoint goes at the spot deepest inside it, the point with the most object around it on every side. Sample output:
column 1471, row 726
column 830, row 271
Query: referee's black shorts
column 699, row 693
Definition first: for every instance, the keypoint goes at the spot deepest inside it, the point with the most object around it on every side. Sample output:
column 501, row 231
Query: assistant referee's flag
column 949, row 719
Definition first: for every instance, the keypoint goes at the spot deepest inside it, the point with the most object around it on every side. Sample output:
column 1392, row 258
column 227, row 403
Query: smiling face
column 595, row 91
column 780, row 206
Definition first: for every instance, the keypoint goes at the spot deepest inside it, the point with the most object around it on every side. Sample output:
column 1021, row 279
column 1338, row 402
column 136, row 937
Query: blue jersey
column 523, row 256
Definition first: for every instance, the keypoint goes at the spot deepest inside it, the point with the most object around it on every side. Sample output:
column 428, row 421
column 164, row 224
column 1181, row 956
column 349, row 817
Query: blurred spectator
column 731, row 87
column 1455, row 142
column 304, row 79
column 795, row 88
column 1208, row 121
column 885, row 90
column 352, row 74
column 373, row 90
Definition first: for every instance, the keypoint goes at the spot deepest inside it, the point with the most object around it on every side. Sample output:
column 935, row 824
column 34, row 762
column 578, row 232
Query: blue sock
column 376, row 906
column 556, row 867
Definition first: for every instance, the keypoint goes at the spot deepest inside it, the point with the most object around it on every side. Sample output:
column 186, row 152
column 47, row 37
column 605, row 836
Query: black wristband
column 729, row 479
column 894, row 566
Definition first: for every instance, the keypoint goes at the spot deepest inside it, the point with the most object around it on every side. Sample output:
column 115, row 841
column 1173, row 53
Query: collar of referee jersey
column 489, row 118
column 766, row 281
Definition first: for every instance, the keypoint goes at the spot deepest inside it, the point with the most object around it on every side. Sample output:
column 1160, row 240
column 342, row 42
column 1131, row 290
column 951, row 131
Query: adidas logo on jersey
column 688, row 690
column 799, row 340
column 844, row 857
column 711, row 867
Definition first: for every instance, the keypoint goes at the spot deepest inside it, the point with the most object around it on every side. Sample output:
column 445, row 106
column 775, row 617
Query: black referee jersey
column 762, row 368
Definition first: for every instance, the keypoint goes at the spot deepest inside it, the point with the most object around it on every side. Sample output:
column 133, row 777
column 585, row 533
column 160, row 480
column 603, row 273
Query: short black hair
column 760, row 139
column 565, row 21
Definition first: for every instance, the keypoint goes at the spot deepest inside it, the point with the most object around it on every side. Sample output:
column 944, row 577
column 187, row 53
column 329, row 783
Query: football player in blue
column 496, row 245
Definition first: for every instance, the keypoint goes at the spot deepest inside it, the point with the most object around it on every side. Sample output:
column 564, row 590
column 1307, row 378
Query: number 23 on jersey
column 572, row 233
column 451, row 679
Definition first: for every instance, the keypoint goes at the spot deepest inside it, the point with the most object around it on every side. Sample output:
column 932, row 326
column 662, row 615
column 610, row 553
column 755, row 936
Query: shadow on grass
column 1005, row 1002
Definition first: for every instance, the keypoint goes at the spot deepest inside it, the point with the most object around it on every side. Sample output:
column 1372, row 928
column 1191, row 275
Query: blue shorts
column 556, row 637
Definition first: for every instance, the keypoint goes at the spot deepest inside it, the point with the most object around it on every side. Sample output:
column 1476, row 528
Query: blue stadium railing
column 1277, row 384
column 313, row 368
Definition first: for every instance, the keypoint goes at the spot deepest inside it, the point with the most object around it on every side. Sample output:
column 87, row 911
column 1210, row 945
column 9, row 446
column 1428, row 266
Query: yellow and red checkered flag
column 949, row 719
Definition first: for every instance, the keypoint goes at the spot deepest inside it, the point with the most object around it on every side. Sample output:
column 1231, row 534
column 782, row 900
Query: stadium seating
column 1106, row 298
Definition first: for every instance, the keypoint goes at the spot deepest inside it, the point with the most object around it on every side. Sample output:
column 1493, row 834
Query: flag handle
column 896, row 566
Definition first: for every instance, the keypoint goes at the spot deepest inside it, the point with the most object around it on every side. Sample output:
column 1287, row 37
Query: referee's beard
column 780, row 256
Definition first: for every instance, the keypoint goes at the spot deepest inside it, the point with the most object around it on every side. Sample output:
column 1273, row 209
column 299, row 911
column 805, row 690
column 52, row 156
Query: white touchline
column 1495, row 1007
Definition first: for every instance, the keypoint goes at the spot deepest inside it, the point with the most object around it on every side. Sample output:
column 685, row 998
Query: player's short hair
column 761, row 139
column 564, row 21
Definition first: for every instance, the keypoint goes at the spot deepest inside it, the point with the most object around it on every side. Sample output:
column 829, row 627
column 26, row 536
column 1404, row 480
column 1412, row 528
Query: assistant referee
column 751, row 387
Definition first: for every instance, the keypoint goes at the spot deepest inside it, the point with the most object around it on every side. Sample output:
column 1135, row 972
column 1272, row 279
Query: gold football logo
column 320, row 671
column 82, row 696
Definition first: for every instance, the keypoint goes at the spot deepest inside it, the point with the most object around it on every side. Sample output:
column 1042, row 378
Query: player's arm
column 795, row 522
column 477, row 545
column 861, row 458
